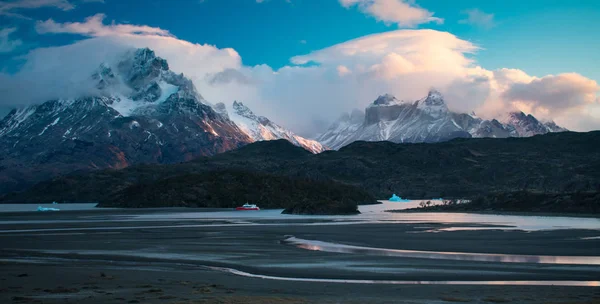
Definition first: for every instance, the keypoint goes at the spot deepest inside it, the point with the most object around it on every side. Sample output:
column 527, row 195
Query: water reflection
column 518, row 283
column 461, row 256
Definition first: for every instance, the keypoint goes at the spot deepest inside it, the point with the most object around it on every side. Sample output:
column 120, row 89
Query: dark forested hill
column 551, row 163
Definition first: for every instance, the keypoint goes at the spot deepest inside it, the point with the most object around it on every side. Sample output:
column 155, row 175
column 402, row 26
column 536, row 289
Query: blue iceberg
column 40, row 208
column 396, row 198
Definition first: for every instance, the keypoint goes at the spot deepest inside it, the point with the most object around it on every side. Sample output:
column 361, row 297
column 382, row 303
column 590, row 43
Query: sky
column 305, row 62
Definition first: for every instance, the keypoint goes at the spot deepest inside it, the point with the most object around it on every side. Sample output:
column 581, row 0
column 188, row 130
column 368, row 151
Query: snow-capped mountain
column 387, row 118
column 527, row 125
column 260, row 128
column 139, row 111
column 425, row 120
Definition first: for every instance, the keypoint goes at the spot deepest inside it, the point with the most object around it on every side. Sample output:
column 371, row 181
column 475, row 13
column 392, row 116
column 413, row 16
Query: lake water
column 34, row 207
column 369, row 214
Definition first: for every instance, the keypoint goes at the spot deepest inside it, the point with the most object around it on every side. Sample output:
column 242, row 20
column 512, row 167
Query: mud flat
column 180, row 256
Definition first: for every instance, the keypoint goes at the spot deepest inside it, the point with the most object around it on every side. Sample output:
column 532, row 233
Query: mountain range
column 138, row 111
column 425, row 120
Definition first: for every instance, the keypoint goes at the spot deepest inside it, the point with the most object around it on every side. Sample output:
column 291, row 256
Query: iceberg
column 40, row 208
column 396, row 198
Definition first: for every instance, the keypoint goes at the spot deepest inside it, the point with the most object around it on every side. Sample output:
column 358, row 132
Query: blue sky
column 537, row 37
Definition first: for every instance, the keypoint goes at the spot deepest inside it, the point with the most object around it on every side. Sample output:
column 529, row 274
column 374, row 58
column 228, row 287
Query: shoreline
column 492, row 212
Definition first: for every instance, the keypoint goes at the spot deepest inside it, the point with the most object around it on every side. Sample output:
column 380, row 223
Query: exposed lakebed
column 374, row 247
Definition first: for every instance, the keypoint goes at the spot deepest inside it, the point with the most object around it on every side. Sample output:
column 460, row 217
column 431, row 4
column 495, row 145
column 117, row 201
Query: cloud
column 554, row 94
column 342, row 70
column 402, row 12
column 229, row 76
column 478, row 18
column 64, row 72
column 94, row 27
column 6, row 44
column 8, row 7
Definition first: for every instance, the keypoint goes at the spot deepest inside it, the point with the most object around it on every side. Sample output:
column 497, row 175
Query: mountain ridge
column 262, row 128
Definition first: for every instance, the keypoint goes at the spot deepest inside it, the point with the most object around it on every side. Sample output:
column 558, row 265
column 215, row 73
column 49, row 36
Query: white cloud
column 94, row 26
column 479, row 18
column 64, row 72
column 6, row 44
column 402, row 12
column 554, row 93
column 345, row 76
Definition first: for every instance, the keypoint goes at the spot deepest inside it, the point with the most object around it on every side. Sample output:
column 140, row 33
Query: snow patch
column 167, row 90
column 20, row 116
column 50, row 125
column 127, row 106
column 134, row 124
column 124, row 105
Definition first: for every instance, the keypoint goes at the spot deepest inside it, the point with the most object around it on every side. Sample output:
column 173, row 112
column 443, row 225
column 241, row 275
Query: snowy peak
column 434, row 104
column 434, row 97
column 385, row 100
column 243, row 110
column 140, row 67
column 140, row 82
column 528, row 125
column 553, row 127
column 104, row 77
column 260, row 128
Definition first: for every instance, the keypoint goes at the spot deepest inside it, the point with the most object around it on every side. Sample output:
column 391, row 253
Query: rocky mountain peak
column 521, row 119
column 139, row 67
column 434, row 98
column 242, row 110
column 104, row 77
column 434, row 104
column 553, row 127
column 385, row 99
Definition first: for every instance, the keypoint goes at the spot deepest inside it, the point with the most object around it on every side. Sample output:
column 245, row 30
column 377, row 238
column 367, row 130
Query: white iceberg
column 396, row 198
column 40, row 208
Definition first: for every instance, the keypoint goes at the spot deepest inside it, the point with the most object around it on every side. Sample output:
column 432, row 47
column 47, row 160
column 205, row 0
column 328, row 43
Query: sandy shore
column 116, row 256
